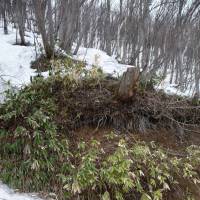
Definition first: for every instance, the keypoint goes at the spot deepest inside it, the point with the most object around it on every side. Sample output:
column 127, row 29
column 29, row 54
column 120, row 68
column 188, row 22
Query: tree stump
column 129, row 83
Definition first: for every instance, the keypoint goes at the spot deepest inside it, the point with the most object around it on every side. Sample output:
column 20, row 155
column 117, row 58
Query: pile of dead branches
column 97, row 105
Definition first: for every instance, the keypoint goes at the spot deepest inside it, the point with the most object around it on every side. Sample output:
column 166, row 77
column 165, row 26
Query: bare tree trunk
column 40, row 8
column 197, row 80
column 121, row 6
column 69, row 15
column 51, row 25
column 20, row 15
column 107, row 29
column 4, row 18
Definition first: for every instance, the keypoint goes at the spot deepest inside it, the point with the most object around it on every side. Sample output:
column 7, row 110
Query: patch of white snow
column 100, row 59
column 14, row 61
column 8, row 194
column 173, row 89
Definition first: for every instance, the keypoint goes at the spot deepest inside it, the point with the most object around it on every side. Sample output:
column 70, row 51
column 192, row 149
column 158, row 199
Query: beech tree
column 4, row 11
column 44, row 19
column 19, row 8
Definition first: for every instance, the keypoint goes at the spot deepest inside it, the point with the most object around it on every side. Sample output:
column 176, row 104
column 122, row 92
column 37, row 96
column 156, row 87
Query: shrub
column 138, row 172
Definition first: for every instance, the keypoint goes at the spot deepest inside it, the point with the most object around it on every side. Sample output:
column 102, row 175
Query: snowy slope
column 110, row 65
column 101, row 59
column 14, row 61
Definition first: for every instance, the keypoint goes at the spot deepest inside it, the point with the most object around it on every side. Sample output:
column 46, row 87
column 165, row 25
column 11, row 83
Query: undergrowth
column 140, row 171
column 35, row 153
column 30, row 143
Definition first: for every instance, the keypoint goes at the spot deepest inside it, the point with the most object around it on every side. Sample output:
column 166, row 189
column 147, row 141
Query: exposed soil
column 165, row 139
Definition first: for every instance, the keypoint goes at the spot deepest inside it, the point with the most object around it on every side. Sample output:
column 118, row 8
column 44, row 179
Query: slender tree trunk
column 51, row 27
column 40, row 10
column 21, row 34
column 4, row 18
column 197, row 80
column 21, row 19
column 107, row 29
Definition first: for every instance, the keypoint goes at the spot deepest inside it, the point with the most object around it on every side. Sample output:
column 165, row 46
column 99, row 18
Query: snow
column 173, row 89
column 111, row 66
column 14, row 61
column 100, row 59
column 8, row 194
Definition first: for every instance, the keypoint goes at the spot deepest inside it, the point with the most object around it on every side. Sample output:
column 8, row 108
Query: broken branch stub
column 129, row 83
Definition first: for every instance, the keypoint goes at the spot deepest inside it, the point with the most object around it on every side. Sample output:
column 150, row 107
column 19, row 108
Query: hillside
column 72, row 118
column 99, row 100
column 65, row 135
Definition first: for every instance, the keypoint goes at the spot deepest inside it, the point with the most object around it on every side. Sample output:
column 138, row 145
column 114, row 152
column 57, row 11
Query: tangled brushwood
column 96, row 104
column 37, row 150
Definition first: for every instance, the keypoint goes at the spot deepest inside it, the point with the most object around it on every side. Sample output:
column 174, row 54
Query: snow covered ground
column 173, row 89
column 14, row 61
column 110, row 65
column 99, row 58
column 8, row 194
